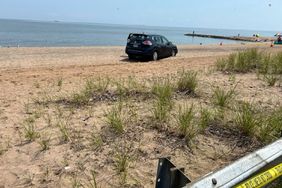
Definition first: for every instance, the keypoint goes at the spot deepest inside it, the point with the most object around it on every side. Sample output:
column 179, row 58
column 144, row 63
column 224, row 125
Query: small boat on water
column 279, row 39
column 278, row 42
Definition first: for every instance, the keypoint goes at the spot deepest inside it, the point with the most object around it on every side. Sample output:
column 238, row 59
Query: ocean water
column 46, row 34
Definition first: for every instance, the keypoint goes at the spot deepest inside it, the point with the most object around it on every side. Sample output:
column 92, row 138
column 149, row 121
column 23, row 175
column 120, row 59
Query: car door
column 161, row 46
column 167, row 47
column 158, row 45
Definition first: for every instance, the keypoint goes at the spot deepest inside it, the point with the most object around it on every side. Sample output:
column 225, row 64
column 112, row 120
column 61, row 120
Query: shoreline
column 236, row 43
column 51, row 57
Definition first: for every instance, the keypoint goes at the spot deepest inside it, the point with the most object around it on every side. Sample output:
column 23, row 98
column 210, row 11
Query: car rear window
column 138, row 37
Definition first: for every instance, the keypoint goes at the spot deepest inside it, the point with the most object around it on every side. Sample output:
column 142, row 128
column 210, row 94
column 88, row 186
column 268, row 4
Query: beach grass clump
column 44, row 142
column 271, row 79
column 187, row 82
column 222, row 97
column 247, row 60
column 134, row 85
column 163, row 89
column 129, row 87
column 91, row 87
column 115, row 118
column 251, row 60
column 30, row 132
column 96, row 141
column 220, row 64
column 64, row 130
column 161, row 112
column 246, row 119
column 266, row 65
column 270, row 128
column 123, row 157
column 163, row 103
column 185, row 125
column 206, row 118
column 121, row 161
column 102, row 84
column 79, row 99
column 83, row 97
column 242, row 62
column 121, row 89
column 276, row 67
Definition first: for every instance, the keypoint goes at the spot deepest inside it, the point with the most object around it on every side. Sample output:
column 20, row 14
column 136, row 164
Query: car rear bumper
column 138, row 52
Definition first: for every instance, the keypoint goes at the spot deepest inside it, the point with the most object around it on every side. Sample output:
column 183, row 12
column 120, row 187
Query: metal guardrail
column 255, row 170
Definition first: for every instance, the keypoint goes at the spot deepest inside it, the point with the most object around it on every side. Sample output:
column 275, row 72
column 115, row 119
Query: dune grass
column 222, row 97
column 29, row 130
column 206, row 118
column 184, row 119
column 44, row 142
column 83, row 97
column 186, row 125
column 163, row 103
column 246, row 119
column 244, row 61
column 187, row 82
column 271, row 126
column 115, row 118
column 251, row 60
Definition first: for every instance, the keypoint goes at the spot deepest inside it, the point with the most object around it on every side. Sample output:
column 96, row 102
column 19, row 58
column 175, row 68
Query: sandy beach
column 28, row 75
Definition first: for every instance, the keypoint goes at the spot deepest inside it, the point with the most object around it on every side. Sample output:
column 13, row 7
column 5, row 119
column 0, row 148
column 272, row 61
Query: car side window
column 157, row 40
column 165, row 41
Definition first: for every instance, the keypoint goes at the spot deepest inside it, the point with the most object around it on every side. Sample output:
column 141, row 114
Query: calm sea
column 45, row 34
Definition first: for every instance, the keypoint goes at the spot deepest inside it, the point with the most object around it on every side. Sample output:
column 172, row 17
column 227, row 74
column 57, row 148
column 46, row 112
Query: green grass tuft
column 206, row 118
column 115, row 118
column 163, row 103
column 44, row 142
column 270, row 128
column 271, row 79
column 222, row 97
column 246, row 119
column 187, row 82
column 242, row 62
column 91, row 87
column 29, row 132
column 184, row 119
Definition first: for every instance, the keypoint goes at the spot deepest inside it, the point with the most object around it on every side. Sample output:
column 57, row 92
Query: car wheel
column 155, row 56
column 173, row 53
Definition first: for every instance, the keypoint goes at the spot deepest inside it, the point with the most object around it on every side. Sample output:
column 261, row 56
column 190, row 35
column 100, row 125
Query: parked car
column 153, row 47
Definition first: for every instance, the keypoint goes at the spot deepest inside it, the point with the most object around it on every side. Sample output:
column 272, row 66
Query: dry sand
column 27, row 73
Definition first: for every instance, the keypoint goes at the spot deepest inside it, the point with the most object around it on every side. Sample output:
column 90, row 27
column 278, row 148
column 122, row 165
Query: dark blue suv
column 149, row 46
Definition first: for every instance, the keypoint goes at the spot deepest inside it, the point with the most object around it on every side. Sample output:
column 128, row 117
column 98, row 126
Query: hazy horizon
column 219, row 14
column 122, row 24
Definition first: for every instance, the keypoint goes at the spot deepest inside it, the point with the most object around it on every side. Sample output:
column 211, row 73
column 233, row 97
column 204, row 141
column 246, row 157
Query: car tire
column 155, row 56
column 173, row 53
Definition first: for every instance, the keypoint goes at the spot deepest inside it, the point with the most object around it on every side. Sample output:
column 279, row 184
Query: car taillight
column 148, row 43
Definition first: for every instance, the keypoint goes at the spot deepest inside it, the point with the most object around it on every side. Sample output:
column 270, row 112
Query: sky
column 222, row 14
